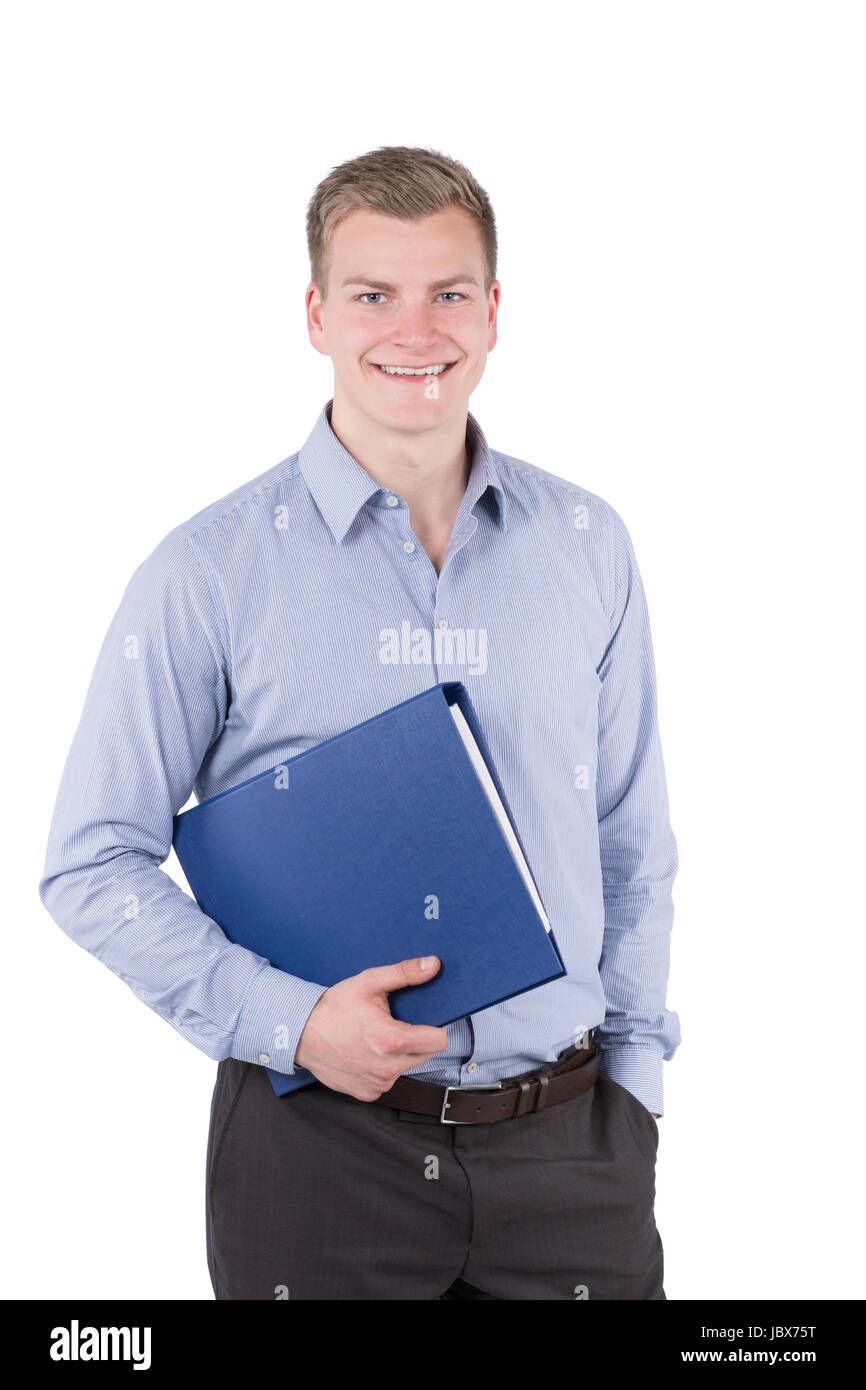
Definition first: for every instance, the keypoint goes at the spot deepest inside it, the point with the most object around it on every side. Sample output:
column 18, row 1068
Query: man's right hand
column 352, row 1043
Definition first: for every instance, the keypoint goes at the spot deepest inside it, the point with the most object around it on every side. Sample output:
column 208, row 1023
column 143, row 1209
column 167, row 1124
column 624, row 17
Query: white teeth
column 414, row 371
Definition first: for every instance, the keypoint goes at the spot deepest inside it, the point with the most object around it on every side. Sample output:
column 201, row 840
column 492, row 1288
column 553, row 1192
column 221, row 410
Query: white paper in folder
column 499, row 810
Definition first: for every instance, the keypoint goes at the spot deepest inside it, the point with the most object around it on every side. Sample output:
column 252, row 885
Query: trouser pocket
column 232, row 1077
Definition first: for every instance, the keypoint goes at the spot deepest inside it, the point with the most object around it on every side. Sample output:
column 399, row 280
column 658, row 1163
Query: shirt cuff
column 272, row 1019
column 639, row 1070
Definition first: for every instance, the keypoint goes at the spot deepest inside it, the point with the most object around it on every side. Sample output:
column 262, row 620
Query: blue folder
column 341, row 858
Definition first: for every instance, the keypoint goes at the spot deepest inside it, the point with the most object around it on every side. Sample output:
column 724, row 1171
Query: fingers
column 384, row 978
column 418, row 1038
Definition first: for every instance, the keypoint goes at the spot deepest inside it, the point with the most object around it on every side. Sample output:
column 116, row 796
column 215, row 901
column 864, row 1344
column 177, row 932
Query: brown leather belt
column 574, row 1071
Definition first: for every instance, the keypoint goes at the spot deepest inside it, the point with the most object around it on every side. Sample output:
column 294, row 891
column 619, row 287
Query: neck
column 430, row 469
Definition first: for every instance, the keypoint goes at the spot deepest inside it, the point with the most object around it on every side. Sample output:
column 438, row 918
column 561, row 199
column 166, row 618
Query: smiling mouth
column 398, row 372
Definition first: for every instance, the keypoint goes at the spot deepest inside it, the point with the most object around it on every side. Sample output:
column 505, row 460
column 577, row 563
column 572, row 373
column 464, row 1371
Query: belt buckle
column 480, row 1086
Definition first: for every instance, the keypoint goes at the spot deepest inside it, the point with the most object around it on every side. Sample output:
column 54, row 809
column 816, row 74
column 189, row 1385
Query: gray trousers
column 316, row 1195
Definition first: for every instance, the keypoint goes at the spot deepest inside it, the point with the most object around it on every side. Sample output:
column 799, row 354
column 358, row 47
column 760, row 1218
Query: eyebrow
column 435, row 285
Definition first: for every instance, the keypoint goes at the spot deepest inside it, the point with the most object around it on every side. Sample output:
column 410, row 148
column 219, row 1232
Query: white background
column 680, row 201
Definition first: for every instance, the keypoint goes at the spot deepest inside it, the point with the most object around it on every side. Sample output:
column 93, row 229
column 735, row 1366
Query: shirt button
column 263, row 1057
column 472, row 1066
column 443, row 622
column 408, row 547
column 178, row 1020
column 393, row 501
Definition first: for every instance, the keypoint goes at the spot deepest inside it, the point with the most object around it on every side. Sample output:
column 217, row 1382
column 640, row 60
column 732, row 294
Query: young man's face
column 405, row 294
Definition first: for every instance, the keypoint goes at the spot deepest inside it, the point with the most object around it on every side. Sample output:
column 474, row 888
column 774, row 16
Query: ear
column 315, row 323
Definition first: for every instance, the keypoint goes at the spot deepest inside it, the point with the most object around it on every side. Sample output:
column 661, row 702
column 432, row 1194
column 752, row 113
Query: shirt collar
column 340, row 487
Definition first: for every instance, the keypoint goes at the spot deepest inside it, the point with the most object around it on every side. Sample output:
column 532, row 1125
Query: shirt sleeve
column 638, row 851
column 157, row 701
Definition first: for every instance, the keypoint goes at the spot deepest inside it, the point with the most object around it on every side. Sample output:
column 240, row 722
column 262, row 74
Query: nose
column 415, row 327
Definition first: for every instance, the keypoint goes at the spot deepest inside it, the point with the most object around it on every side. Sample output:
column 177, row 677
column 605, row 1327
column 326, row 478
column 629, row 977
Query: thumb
column 381, row 979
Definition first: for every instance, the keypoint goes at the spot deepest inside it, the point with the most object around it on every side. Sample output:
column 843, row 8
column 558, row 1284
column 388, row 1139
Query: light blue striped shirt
column 303, row 603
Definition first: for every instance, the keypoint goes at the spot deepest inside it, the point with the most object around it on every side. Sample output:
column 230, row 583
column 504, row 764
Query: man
column 264, row 625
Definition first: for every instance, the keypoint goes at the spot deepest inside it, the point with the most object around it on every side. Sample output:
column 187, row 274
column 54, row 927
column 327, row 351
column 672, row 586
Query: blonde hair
column 398, row 181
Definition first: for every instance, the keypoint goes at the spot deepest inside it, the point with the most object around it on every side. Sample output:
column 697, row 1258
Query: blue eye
column 373, row 294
